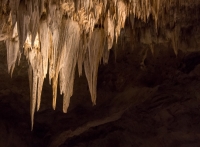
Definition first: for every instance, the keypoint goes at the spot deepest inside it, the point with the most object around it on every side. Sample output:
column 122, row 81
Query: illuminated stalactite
column 55, row 36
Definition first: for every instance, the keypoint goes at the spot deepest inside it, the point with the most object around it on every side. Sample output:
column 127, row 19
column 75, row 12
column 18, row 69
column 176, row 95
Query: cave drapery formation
column 58, row 35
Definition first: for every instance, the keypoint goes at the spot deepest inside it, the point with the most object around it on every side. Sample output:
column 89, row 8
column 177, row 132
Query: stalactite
column 55, row 36
column 81, row 55
column 34, row 20
column 44, row 36
column 155, row 11
column 35, row 73
column 92, row 60
column 66, row 61
column 121, row 17
column 13, row 52
column 109, row 30
column 69, row 61
column 22, row 23
column 175, row 39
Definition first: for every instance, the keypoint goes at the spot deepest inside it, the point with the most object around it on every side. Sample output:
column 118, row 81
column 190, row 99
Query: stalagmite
column 55, row 36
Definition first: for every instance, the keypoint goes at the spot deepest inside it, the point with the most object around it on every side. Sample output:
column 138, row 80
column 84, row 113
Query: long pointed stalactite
column 57, row 35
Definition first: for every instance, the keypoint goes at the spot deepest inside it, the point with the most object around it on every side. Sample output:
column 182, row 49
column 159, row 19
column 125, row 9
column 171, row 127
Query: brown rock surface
column 148, row 95
column 153, row 107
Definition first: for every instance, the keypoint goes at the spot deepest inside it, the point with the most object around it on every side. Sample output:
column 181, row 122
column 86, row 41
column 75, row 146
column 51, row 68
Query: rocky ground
column 152, row 105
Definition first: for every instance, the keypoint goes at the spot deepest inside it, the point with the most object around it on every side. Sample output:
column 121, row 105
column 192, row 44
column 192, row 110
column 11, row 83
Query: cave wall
column 147, row 93
column 138, row 104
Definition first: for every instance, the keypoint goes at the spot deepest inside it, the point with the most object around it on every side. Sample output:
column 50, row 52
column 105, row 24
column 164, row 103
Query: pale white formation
column 57, row 35
column 12, row 45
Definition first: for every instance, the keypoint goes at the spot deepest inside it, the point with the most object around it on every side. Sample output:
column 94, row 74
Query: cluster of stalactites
column 55, row 36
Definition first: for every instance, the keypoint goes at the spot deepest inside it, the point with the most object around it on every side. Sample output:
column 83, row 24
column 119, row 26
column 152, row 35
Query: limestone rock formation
column 56, row 36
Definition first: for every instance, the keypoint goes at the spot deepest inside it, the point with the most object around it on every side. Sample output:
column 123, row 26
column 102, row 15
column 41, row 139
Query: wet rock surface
column 157, row 105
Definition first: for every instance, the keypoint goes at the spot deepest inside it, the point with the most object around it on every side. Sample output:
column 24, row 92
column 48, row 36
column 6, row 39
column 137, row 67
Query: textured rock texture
column 147, row 95
column 156, row 104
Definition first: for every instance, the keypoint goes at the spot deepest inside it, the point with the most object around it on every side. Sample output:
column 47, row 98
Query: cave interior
column 98, row 73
